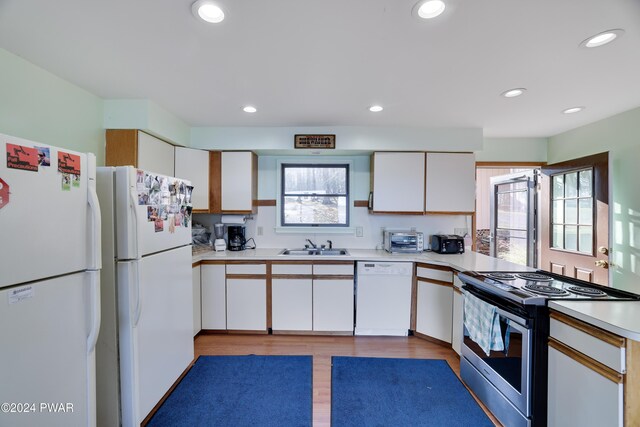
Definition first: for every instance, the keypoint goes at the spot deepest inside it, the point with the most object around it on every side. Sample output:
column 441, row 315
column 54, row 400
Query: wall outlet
column 461, row 231
column 359, row 232
column 259, row 230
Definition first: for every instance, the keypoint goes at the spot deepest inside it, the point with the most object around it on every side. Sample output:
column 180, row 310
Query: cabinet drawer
column 291, row 269
column 431, row 273
column 333, row 269
column 246, row 269
column 605, row 348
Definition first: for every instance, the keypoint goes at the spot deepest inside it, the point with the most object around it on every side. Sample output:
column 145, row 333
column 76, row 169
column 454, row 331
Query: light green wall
column 620, row 136
column 355, row 138
column 39, row 106
column 513, row 150
column 148, row 116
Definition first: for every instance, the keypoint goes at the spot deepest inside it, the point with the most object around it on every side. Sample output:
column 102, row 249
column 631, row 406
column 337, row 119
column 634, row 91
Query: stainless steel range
column 508, row 370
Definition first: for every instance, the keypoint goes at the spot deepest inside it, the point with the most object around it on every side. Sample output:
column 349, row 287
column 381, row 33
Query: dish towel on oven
column 482, row 323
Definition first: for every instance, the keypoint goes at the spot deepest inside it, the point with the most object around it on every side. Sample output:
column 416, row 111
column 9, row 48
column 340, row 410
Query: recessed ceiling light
column 428, row 9
column 207, row 11
column 603, row 38
column 376, row 108
column 512, row 93
column 249, row 109
column 573, row 110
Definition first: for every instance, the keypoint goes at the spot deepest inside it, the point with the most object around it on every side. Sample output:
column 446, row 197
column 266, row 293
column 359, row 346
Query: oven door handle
column 513, row 317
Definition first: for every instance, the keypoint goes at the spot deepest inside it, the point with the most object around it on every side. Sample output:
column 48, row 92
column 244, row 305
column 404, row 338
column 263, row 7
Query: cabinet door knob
column 602, row 263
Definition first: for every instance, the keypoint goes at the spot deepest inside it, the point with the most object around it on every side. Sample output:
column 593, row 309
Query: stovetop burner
column 535, row 277
column 546, row 290
column 590, row 292
column 501, row 276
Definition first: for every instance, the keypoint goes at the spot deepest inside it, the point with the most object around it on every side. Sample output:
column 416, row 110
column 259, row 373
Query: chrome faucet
column 313, row 245
column 330, row 244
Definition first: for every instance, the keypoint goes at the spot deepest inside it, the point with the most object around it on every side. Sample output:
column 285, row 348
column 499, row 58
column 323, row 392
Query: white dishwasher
column 383, row 298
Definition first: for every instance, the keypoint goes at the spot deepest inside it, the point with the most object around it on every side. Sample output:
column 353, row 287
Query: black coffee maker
column 235, row 235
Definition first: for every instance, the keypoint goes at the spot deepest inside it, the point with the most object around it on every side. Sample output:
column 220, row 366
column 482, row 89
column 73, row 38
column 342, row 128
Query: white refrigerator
column 49, row 285
column 146, row 337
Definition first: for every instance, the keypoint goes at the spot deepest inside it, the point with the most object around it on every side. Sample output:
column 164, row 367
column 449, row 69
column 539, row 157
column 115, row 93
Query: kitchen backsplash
column 372, row 225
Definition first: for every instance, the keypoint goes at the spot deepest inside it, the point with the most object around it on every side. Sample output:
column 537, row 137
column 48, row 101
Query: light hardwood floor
column 322, row 348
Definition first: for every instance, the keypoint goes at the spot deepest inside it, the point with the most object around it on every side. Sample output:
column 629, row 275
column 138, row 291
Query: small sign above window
column 315, row 141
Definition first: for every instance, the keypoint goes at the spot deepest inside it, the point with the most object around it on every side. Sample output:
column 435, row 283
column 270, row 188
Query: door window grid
column 572, row 211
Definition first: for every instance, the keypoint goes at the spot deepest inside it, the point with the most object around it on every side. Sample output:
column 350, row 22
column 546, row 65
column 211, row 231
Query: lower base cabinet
column 247, row 304
column 457, row 323
column 434, row 310
column 291, row 304
column 213, row 288
column 197, row 316
column 333, row 305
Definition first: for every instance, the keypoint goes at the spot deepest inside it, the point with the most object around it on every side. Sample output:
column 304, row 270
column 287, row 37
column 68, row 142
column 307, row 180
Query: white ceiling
column 323, row 63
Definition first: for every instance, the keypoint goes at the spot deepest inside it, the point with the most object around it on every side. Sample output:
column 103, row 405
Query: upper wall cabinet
column 450, row 183
column 397, row 182
column 131, row 147
column 238, row 182
column 193, row 165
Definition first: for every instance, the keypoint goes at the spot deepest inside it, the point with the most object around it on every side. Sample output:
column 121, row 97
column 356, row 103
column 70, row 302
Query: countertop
column 460, row 262
column 619, row 317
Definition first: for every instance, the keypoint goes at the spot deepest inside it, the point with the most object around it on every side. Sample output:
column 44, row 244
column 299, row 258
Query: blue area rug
column 241, row 391
column 369, row 391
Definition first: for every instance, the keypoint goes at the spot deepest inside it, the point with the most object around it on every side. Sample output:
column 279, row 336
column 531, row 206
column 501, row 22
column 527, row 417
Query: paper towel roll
column 233, row 219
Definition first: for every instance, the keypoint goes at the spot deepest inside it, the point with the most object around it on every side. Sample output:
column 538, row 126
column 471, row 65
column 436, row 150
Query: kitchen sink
column 314, row 252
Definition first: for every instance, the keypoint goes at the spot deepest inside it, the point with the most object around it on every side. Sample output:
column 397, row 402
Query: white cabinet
column 457, row 322
column 589, row 374
column 214, row 300
column 434, row 302
column 246, row 296
column 291, row 304
column 333, row 305
column 197, row 319
column 450, row 182
column 398, row 182
column 193, row 165
column 238, row 177
column 131, row 147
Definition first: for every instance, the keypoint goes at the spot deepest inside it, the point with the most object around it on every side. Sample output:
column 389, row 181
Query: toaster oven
column 403, row 241
column 447, row 244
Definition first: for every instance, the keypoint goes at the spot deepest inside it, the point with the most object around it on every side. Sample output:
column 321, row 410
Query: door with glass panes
column 575, row 218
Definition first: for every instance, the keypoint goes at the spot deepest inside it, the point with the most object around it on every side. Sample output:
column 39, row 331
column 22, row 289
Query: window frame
column 282, row 194
column 577, row 224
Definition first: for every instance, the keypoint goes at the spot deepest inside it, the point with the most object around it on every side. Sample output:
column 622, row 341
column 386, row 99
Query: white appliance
column 146, row 339
column 383, row 298
column 49, row 285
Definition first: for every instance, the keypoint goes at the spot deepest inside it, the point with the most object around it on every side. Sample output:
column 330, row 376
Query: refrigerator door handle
column 134, row 209
column 95, row 234
column 96, row 314
column 138, row 311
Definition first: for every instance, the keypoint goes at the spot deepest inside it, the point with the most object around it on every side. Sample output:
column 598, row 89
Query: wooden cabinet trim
column 434, row 266
column 435, row 282
column 291, row 276
column 246, row 276
column 456, row 290
column 327, row 262
column 360, row 203
column 587, row 362
column 292, row 262
column 332, row 277
column 195, row 264
column 265, row 202
column 215, row 182
column 631, row 390
column 245, row 262
column 212, row 261
column 608, row 337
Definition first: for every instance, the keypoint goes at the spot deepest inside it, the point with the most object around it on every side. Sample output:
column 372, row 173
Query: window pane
column 315, row 180
column 557, row 240
column 322, row 210
column 571, row 237
column 571, row 184
column 586, row 240
column 586, row 184
column 512, row 210
column 558, row 212
column 519, row 185
column 571, row 211
column 586, row 211
column 558, row 186
column 512, row 246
